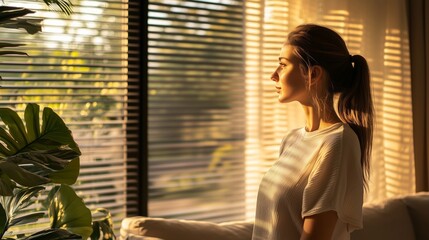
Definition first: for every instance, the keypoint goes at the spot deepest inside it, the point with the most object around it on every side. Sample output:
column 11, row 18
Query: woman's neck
column 316, row 119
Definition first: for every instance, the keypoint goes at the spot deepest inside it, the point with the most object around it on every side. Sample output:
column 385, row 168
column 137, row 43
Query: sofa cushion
column 388, row 219
column 173, row 229
column 418, row 208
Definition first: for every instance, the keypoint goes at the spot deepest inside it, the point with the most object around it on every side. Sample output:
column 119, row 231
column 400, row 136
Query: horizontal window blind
column 196, row 109
column 78, row 67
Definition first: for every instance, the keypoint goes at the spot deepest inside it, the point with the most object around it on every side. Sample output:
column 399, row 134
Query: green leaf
column 22, row 176
column 51, row 195
column 13, row 17
column 44, row 162
column 20, row 199
column 34, row 154
column 102, row 225
column 3, row 221
column 31, row 25
column 6, row 185
column 5, row 44
column 68, row 174
column 53, row 234
column 68, row 211
column 12, row 206
column 57, row 129
column 24, row 197
column 64, row 5
column 96, row 232
column 11, row 145
column 14, row 124
column 31, row 116
column 13, row 53
column 8, row 12
column 28, row 218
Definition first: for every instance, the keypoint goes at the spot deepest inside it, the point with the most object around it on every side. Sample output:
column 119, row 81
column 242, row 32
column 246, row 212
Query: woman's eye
column 282, row 65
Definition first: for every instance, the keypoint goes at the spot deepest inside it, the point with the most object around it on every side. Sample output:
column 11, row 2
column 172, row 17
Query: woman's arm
column 319, row 226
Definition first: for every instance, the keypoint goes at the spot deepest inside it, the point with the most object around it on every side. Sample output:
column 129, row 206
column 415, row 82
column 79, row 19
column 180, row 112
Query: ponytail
column 355, row 108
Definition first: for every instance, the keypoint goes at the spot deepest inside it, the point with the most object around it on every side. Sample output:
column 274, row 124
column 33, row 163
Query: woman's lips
column 278, row 89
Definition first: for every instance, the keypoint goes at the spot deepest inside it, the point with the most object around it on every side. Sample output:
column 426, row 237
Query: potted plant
column 37, row 156
column 34, row 156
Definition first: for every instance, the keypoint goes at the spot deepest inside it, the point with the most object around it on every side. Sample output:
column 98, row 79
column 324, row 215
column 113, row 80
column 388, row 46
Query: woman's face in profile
column 289, row 77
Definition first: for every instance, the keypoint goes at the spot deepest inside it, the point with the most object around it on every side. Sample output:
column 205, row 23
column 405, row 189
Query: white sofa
column 401, row 218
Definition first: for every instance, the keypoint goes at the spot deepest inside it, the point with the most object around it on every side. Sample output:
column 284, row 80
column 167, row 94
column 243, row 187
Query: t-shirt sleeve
column 335, row 181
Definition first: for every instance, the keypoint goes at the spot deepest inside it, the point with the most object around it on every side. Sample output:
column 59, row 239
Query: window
column 196, row 109
column 78, row 67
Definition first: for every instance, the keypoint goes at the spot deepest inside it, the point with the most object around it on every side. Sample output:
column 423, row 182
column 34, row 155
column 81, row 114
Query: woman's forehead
column 287, row 52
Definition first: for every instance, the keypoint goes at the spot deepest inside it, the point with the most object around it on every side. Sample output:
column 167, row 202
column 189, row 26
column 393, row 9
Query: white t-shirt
column 316, row 172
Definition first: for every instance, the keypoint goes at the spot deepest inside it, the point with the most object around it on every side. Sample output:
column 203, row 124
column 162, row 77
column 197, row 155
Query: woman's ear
column 316, row 73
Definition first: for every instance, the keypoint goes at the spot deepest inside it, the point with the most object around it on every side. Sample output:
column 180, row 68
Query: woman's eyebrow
column 280, row 58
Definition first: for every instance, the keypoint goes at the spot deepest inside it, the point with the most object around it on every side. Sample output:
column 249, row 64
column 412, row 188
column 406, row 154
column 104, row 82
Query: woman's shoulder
column 343, row 138
column 291, row 136
column 343, row 131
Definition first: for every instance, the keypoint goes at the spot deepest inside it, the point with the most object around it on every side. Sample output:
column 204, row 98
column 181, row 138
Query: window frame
column 137, row 124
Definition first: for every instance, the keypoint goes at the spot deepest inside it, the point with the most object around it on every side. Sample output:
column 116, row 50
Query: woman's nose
column 275, row 76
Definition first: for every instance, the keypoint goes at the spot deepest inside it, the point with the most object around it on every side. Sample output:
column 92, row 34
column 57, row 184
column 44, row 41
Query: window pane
column 196, row 109
column 78, row 67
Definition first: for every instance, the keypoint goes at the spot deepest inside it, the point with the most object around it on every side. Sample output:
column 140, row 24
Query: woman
column 315, row 189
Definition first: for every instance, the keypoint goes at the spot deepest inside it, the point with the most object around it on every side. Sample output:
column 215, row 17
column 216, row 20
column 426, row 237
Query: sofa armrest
column 418, row 208
column 173, row 229
column 387, row 219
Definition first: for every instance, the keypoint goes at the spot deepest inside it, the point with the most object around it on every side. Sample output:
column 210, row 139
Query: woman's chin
column 283, row 99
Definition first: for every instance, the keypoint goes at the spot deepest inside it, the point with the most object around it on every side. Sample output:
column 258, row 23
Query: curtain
column 377, row 30
column 418, row 17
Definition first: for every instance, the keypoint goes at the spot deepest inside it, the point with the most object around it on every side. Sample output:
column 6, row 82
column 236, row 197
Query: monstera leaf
column 68, row 211
column 102, row 225
column 15, row 18
column 3, row 220
column 64, row 5
column 12, row 17
column 31, row 154
column 12, row 206
column 53, row 234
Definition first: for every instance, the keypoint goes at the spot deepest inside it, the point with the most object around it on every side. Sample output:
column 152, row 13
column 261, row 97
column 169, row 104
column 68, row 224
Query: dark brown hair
column 346, row 75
